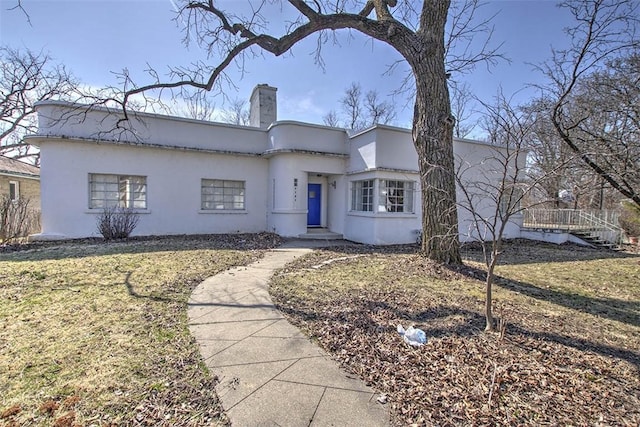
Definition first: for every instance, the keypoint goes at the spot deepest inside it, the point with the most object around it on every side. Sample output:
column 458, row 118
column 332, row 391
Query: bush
column 630, row 219
column 117, row 223
column 17, row 219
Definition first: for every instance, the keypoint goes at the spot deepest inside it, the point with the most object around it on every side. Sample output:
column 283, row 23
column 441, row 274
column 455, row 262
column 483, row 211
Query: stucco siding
column 395, row 150
column 173, row 182
column 275, row 164
column 304, row 137
column 362, row 152
column 289, row 175
column 100, row 123
column 481, row 168
column 383, row 228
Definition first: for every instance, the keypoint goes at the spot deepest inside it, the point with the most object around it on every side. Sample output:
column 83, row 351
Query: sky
column 96, row 39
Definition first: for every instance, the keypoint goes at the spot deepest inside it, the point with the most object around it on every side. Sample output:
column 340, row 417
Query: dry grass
column 569, row 354
column 96, row 333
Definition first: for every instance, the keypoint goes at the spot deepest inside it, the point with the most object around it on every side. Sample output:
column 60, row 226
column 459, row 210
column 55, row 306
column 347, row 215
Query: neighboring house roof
column 17, row 168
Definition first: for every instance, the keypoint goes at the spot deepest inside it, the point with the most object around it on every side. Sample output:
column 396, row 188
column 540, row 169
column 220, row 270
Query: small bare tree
column 493, row 187
column 17, row 219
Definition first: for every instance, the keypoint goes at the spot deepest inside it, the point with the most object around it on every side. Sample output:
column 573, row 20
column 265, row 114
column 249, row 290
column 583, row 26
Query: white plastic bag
column 413, row 336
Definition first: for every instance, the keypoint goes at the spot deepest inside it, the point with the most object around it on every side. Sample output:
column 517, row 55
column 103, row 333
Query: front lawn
column 569, row 353
column 96, row 333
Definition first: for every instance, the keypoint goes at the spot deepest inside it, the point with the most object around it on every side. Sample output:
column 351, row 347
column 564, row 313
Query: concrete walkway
column 270, row 373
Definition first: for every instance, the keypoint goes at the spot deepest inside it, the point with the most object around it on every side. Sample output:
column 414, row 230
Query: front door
column 314, row 192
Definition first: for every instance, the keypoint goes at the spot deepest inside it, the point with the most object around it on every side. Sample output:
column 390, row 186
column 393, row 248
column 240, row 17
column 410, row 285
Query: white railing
column 601, row 224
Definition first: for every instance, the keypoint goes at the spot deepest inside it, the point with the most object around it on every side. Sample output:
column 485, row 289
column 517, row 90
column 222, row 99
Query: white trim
column 36, row 139
column 19, row 175
column 223, row 211
column 97, row 211
column 16, row 190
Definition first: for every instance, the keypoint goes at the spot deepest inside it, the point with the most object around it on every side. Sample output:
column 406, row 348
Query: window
column 14, row 191
column 395, row 196
column 125, row 191
column 362, row 196
column 218, row 194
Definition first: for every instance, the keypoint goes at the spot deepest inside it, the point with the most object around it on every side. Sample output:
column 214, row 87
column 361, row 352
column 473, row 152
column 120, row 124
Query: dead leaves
column 532, row 375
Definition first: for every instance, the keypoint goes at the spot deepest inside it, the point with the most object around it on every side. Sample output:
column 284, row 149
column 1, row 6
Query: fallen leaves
column 545, row 368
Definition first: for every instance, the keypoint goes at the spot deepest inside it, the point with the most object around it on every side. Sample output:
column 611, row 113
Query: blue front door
column 314, row 192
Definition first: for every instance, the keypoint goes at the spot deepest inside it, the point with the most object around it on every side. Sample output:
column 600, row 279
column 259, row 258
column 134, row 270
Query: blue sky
column 97, row 38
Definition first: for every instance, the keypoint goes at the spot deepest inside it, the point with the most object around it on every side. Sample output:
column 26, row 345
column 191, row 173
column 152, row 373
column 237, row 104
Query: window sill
column 223, row 211
column 383, row 214
column 135, row 211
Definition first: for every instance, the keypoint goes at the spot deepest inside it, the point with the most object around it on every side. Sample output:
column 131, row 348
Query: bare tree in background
column 237, row 113
column 461, row 105
column 331, row 119
column 378, row 112
column 351, row 104
column 360, row 110
column 594, row 88
column 198, row 105
column 565, row 180
column 26, row 78
column 548, row 153
column 415, row 30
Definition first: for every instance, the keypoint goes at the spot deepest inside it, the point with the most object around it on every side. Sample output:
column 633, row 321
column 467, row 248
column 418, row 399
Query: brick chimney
column 263, row 108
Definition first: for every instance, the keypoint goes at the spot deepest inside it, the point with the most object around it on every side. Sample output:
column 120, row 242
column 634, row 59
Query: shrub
column 630, row 219
column 17, row 219
column 117, row 223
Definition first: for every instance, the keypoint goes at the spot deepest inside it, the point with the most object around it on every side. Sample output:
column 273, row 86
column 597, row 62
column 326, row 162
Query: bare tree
column 351, row 104
column 237, row 113
column 548, row 153
column 26, row 78
column 416, row 32
column 494, row 188
column 461, row 100
column 565, row 180
column 197, row 105
column 587, row 113
column 358, row 111
column 378, row 112
column 331, row 119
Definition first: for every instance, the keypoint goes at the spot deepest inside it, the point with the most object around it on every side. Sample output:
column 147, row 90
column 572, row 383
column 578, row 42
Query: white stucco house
column 197, row 177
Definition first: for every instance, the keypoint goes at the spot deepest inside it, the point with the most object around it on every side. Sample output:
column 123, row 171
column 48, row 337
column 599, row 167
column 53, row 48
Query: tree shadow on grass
column 625, row 311
column 135, row 294
column 581, row 344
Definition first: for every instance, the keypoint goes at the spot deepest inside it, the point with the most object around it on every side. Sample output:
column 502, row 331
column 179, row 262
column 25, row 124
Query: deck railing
column 599, row 223
column 569, row 219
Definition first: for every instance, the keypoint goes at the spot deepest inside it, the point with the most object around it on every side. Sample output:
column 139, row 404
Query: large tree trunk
column 433, row 138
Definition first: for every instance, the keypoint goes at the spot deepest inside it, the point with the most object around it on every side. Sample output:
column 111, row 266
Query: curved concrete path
column 270, row 373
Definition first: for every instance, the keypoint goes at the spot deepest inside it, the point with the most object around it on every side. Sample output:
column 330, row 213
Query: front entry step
column 321, row 234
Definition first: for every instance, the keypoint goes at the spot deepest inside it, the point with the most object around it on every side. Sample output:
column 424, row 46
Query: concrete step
column 321, row 234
